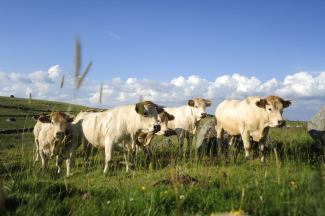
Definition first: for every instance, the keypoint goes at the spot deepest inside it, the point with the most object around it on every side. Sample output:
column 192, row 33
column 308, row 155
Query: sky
column 166, row 51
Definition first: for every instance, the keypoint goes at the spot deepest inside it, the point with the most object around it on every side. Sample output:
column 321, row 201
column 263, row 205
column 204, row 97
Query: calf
column 250, row 118
column 55, row 128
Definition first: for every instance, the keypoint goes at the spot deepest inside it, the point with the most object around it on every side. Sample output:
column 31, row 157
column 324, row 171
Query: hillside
column 22, row 110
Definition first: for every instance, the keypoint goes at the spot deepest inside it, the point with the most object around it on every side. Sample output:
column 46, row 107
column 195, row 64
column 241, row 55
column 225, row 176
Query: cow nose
column 166, row 132
column 280, row 122
column 156, row 127
column 203, row 115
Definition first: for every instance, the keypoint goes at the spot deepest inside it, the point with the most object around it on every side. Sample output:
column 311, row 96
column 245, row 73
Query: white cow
column 163, row 119
column 55, row 127
column 187, row 119
column 110, row 128
column 251, row 117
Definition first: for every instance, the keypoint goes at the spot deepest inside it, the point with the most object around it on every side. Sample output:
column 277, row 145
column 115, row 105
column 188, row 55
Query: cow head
column 273, row 106
column 163, row 119
column 58, row 121
column 198, row 105
column 148, row 112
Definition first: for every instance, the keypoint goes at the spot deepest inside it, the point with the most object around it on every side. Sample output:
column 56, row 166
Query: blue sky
column 164, row 40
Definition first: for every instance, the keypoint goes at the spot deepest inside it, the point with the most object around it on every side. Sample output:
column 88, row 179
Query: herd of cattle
column 135, row 124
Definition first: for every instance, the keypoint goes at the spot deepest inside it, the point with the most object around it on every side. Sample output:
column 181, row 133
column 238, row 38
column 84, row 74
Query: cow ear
column 171, row 117
column 160, row 109
column 35, row 117
column 261, row 103
column 286, row 102
column 190, row 103
column 207, row 104
column 44, row 119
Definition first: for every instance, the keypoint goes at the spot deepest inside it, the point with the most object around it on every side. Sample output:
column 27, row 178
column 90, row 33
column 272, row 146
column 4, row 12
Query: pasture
column 290, row 183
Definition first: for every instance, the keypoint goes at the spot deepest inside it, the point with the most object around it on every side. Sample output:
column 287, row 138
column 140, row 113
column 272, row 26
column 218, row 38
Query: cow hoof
column 69, row 175
column 263, row 163
column 247, row 158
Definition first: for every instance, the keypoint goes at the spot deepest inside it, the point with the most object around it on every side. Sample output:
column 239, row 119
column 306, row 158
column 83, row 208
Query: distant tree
column 12, row 96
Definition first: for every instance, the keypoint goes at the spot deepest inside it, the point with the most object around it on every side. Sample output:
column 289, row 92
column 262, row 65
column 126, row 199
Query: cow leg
column 37, row 150
column 109, row 147
column 189, row 144
column 262, row 148
column 220, row 138
column 69, row 161
column 44, row 161
column 180, row 136
column 230, row 141
column 58, row 164
column 146, row 147
column 247, row 144
column 128, row 159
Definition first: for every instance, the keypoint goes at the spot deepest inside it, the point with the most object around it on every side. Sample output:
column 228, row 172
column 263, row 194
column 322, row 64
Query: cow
column 110, row 128
column 37, row 129
column 187, row 119
column 56, row 127
column 163, row 119
column 250, row 118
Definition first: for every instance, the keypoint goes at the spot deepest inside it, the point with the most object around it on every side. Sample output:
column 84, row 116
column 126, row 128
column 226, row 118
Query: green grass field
column 291, row 182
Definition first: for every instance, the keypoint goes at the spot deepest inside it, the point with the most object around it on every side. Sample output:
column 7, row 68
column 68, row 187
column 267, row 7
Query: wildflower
column 212, row 214
column 108, row 202
column 261, row 197
column 131, row 199
column 85, row 196
column 143, row 188
column 210, row 180
column 292, row 182
column 165, row 192
column 181, row 196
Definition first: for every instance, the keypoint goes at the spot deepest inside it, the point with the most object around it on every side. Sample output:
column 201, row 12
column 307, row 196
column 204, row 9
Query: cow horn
column 287, row 99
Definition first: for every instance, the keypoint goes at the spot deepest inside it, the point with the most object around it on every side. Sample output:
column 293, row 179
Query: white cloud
column 307, row 88
column 112, row 34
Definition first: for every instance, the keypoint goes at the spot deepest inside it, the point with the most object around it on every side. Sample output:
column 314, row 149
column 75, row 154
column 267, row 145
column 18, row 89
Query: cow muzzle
column 156, row 128
column 281, row 123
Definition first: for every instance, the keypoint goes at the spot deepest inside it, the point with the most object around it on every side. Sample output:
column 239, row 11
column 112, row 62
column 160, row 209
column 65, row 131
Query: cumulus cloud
column 307, row 88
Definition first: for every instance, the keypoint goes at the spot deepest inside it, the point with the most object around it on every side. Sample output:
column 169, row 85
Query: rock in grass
column 166, row 143
column 11, row 119
column 207, row 139
column 316, row 126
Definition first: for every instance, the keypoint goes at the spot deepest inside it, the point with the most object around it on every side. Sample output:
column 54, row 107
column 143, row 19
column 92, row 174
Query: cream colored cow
column 187, row 119
column 56, row 126
column 251, row 117
column 110, row 128
column 36, row 131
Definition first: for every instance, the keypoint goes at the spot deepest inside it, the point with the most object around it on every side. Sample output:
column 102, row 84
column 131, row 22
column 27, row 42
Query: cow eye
column 52, row 123
column 145, row 114
column 270, row 109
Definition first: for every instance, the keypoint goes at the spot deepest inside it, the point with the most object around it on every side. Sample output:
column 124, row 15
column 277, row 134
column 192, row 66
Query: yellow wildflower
column 143, row 188
column 165, row 192
column 292, row 182
column 210, row 180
